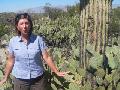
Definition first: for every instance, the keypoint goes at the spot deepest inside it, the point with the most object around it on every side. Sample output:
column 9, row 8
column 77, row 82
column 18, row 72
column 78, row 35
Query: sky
column 15, row 5
column 116, row 1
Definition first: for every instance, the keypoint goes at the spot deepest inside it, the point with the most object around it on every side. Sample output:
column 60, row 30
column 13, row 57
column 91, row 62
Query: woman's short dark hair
column 22, row 16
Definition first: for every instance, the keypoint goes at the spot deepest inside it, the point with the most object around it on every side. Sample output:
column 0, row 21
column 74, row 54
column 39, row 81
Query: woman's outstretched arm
column 48, row 59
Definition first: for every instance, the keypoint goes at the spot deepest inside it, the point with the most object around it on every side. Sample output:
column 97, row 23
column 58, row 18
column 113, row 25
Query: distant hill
column 33, row 10
column 41, row 9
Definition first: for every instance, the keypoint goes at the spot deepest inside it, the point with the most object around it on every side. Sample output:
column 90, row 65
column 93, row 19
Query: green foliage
column 118, row 86
column 113, row 54
column 100, row 72
column 101, row 88
column 59, row 33
column 73, row 86
column 1, row 73
column 105, row 71
column 114, row 30
column 3, row 30
column 96, row 59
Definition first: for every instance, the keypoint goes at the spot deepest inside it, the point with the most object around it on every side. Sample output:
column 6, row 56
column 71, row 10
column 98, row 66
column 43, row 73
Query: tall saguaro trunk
column 94, row 20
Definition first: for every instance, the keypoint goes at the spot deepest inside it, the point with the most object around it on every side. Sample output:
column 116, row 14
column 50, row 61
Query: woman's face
column 23, row 26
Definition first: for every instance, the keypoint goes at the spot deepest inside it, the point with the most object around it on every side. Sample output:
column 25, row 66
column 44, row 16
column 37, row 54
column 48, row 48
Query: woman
column 24, row 57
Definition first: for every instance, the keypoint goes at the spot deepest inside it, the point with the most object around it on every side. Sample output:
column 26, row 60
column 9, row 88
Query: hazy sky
column 14, row 5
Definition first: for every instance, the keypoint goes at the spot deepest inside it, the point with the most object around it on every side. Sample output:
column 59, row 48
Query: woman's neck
column 25, row 38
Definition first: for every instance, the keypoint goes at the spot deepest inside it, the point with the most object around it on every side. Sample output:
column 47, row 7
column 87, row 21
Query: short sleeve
column 42, row 44
column 10, row 47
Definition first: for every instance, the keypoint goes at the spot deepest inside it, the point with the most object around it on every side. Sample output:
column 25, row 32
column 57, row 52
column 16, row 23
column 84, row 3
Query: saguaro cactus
column 94, row 20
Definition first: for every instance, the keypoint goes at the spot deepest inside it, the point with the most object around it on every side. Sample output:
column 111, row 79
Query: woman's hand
column 3, row 81
column 62, row 74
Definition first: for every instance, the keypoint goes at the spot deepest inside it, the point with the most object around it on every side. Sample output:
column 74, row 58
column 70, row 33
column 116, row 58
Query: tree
column 52, row 12
column 72, row 10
